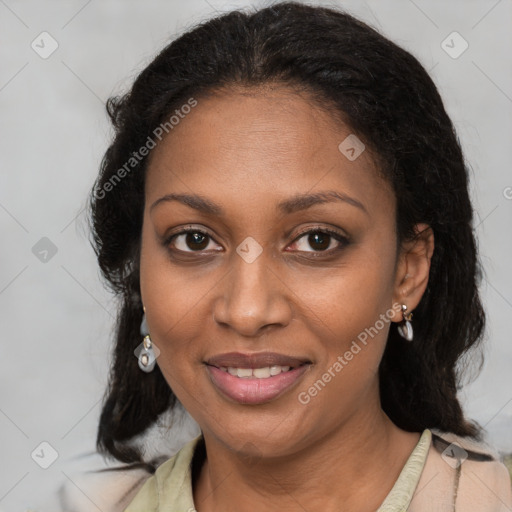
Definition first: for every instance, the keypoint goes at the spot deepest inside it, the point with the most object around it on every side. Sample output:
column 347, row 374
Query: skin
column 247, row 150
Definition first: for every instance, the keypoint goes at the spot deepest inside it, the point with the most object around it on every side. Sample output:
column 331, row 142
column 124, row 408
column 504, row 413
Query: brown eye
column 190, row 240
column 196, row 241
column 320, row 240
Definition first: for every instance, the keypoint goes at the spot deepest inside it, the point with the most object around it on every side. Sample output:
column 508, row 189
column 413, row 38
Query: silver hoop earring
column 405, row 326
column 146, row 352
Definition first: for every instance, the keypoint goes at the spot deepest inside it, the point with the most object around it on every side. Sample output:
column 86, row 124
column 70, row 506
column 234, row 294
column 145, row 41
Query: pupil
column 196, row 240
column 319, row 238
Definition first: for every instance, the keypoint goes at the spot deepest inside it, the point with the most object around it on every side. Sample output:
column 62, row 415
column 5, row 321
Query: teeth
column 259, row 373
column 244, row 372
column 276, row 370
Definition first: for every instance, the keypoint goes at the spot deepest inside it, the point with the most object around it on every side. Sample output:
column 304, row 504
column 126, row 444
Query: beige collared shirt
column 430, row 481
column 444, row 473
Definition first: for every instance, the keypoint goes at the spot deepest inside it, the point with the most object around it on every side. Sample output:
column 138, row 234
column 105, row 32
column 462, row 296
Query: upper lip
column 255, row 360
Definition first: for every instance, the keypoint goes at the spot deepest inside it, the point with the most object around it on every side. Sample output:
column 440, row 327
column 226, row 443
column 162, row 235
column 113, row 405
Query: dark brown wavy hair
column 391, row 103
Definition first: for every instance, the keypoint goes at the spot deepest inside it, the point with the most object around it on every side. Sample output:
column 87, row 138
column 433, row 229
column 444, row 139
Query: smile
column 255, row 385
column 259, row 373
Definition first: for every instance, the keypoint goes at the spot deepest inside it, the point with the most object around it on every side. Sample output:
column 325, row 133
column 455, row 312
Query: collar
column 170, row 488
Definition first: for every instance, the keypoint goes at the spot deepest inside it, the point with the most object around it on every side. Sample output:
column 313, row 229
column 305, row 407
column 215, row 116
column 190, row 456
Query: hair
column 390, row 102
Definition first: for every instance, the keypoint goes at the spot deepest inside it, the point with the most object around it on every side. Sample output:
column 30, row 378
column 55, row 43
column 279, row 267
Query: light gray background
column 57, row 318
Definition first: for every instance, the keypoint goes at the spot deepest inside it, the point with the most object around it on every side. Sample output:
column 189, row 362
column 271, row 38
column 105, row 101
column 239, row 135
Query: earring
column 405, row 326
column 147, row 356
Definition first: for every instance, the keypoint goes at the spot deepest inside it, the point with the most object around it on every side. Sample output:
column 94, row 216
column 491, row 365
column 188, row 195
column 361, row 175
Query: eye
column 320, row 240
column 190, row 240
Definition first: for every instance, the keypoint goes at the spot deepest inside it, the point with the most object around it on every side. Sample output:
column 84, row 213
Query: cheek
column 350, row 297
column 352, row 324
column 349, row 311
column 171, row 296
column 175, row 309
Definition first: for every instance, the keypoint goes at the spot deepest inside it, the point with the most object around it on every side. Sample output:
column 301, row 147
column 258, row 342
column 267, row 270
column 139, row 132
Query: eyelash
column 343, row 240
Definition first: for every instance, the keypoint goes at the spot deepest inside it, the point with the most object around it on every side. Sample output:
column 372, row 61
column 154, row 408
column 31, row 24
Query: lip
column 254, row 390
column 255, row 360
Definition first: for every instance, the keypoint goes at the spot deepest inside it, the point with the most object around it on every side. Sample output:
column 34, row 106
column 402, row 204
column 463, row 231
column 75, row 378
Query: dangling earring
column 146, row 352
column 405, row 326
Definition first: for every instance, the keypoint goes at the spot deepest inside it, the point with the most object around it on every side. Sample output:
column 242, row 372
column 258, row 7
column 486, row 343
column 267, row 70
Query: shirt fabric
column 170, row 488
column 444, row 473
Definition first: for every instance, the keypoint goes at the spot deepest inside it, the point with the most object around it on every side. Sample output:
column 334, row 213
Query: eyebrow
column 291, row 205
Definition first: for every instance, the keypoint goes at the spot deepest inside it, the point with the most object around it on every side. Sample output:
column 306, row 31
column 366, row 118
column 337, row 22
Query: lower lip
column 254, row 390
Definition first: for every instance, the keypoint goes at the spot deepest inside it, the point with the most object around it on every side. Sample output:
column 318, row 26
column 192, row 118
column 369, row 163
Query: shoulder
column 146, row 496
column 171, row 483
column 91, row 479
column 109, row 490
column 464, row 475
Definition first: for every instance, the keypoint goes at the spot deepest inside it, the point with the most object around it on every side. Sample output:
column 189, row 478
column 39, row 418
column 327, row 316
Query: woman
column 284, row 191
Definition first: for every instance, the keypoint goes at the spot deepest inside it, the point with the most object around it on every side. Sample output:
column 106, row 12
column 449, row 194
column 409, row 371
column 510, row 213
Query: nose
column 252, row 297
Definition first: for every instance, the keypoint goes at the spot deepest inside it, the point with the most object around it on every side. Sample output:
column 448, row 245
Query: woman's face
column 260, row 179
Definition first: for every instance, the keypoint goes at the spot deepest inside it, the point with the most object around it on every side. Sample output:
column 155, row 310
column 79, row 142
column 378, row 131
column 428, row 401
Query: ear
column 413, row 268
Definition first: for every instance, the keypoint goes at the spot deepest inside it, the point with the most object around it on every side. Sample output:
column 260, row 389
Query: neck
column 357, row 465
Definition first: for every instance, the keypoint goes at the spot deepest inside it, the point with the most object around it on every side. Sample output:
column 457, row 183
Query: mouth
column 255, row 378
column 256, row 360
column 264, row 372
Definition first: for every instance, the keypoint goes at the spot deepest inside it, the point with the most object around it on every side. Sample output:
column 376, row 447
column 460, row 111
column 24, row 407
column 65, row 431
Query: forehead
column 261, row 144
